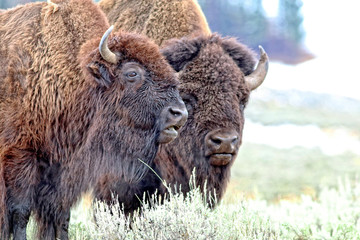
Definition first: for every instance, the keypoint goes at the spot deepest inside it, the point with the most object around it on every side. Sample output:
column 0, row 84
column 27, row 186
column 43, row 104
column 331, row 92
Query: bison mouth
column 220, row 159
column 168, row 134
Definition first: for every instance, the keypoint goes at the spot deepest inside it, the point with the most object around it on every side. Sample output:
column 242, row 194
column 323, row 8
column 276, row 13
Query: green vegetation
column 273, row 113
column 269, row 173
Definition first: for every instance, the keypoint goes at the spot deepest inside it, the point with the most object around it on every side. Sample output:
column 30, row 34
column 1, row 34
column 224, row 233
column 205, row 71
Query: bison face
column 215, row 86
column 149, row 102
column 139, row 83
column 216, row 115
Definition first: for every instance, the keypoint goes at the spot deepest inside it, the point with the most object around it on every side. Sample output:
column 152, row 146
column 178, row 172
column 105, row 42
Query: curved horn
column 105, row 52
column 256, row 78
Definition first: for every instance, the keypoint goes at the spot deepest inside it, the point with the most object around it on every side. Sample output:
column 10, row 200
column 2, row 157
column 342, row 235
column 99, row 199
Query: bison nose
column 225, row 144
column 173, row 118
column 220, row 146
column 178, row 115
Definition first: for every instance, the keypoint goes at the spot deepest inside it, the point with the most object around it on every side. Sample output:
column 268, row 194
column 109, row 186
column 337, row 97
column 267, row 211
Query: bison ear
column 178, row 52
column 100, row 73
column 242, row 55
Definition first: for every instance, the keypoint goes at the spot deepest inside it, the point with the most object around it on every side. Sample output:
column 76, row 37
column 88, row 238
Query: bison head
column 137, row 101
column 217, row 75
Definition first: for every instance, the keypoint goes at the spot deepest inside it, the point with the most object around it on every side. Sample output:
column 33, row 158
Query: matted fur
column 68, row 117
column 158, row 19
column 212, row 73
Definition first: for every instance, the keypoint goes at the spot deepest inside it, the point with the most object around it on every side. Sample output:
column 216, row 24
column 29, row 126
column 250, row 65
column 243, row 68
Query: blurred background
column 302, row 129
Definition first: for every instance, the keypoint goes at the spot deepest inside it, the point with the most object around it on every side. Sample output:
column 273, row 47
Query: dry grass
column 334, row 214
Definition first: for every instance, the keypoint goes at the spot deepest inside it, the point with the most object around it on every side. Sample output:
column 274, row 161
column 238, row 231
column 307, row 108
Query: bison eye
column 131, row 74
column 190, row 102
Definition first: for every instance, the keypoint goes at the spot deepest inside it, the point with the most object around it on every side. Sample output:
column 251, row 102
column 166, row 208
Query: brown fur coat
column 68, row 116
column 160, row 20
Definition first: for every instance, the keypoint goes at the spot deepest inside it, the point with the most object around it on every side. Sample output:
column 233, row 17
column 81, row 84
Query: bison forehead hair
column 181, row 51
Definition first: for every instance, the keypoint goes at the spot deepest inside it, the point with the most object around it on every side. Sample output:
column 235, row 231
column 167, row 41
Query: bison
column 211, row 70
column 216, row 77
column 75, row 108
column 158, row 19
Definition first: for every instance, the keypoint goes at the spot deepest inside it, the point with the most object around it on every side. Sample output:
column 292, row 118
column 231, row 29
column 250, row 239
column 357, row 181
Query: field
column 270, row 173
column 333, row 215
column 298, row 192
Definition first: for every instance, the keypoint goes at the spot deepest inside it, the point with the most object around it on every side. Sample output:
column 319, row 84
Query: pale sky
column 333, row 35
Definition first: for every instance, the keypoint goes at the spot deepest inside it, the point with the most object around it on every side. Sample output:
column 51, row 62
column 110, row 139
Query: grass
column 265, row 172
column 334, row 214
column 273, row 194
column 274, row 113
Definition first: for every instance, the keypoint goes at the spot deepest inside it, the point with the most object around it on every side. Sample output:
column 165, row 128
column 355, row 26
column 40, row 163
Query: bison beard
column 216, row 77
column 71, row 115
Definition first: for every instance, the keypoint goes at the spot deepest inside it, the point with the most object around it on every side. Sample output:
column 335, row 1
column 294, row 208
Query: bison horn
column 256, row 78
column 105, row 52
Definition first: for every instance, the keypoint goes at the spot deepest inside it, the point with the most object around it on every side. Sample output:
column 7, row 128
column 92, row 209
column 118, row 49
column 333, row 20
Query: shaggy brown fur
column 67, row 116
column 212, row 85
column 158, row 19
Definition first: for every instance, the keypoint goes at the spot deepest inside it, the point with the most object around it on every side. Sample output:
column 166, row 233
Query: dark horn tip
column 263, row 54
column 264, row 57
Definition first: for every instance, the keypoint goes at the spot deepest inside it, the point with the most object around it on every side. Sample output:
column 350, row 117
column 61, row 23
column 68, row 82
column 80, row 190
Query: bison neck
column 88, row 142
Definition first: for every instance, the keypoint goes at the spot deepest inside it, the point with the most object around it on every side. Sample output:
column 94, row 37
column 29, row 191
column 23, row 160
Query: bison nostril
column 224, row 141
column 175, row 112
column 221, row 142
column 217, row 141
column 178, row 114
